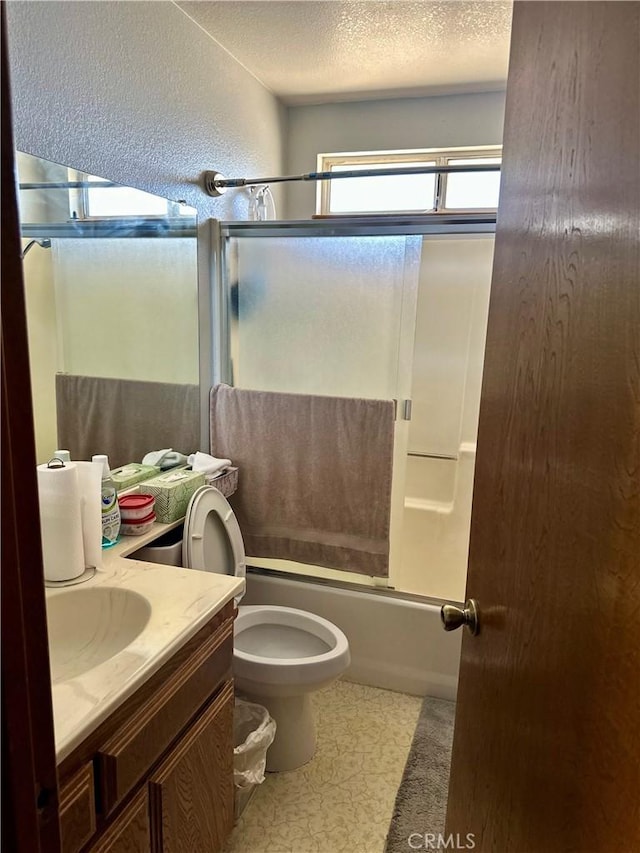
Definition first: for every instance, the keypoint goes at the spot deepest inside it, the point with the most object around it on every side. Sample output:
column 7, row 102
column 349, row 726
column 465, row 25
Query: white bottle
column 109, row 504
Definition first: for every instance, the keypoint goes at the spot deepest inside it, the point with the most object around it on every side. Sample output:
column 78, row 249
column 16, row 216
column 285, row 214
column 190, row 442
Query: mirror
column 112, row 313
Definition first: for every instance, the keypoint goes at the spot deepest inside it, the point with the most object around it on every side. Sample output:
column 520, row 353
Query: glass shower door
column 328, row 315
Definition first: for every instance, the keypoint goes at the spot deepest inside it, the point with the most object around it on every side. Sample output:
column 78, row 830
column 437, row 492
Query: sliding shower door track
column 365, row 226
column 384, row 592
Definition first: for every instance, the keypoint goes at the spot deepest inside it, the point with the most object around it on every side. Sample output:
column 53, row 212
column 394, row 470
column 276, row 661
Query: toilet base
column 295, row 740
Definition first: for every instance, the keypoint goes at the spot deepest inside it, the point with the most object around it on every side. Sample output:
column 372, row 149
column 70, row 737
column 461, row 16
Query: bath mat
column 421, row 802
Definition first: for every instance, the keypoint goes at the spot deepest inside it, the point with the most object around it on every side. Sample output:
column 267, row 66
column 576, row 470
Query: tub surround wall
column 140, row 94
column 453, row 302
column 435, row 545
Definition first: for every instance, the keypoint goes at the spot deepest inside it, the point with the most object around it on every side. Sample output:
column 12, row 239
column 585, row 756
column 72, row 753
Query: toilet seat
column 212, row 541
column 296, row 664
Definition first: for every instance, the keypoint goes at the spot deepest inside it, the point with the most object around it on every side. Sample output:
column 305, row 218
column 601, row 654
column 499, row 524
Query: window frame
column 381, row 159
column 79, row 202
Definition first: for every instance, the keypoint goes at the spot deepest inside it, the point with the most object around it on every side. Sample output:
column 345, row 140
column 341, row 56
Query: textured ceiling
column 309, row 51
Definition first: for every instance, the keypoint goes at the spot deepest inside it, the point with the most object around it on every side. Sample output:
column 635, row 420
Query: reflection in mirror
column 112, row 313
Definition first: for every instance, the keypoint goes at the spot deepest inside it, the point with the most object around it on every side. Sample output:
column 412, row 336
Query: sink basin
column 88, row 626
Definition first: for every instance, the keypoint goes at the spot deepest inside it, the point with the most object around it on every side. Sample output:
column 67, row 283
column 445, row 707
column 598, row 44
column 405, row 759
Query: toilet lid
column 212, row 541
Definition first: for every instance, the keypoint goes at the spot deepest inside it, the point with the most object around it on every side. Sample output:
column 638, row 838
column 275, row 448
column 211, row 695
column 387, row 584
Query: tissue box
column 227, row 482
column 133, row 473
column 172, row 491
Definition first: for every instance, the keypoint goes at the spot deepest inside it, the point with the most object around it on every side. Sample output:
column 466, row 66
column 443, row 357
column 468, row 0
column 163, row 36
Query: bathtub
column 396, row 643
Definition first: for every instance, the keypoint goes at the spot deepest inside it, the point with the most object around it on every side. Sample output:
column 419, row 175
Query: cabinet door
column 191, row 793
column 77, row 810
column 144, row 737
column 129, row 833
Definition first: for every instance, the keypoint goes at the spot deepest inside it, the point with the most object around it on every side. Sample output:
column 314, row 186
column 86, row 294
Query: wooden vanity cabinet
column 77, row 809
column 197, row 772
column 129, row 832
column 157, row 776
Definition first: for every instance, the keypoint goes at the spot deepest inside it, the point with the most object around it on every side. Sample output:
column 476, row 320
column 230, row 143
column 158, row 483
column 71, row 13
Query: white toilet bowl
column 281, row 654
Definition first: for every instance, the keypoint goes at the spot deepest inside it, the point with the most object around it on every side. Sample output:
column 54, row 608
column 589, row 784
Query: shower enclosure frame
column 217, row 344
column 215, row 307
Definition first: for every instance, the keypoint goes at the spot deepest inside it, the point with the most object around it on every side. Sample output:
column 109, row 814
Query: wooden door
column 191, row 793
column 546, row 752
column 30, row 821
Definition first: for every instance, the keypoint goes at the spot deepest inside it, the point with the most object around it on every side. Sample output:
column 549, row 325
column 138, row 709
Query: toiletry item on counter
column 70, row 517
column 172, row 491
column 90, row 479
column 226, row 482
column 217, row 472
column 139, row 526
column 209, row 465
column 135, row 507
column 109, row 503
column 165, row 459
column 137, row 514
column 133, row 473
column 62, row 455
column 59, row 497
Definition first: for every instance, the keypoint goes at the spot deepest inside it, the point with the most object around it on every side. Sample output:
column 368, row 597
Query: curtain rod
column 215, row 184
column 66, row 185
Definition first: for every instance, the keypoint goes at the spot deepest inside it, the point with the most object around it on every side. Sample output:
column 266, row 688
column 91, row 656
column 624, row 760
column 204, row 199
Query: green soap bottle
column 109, row 504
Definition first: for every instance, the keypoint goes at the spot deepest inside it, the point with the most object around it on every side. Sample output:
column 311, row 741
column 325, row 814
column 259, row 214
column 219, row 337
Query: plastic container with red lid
column 138, row 526
column 136, row 507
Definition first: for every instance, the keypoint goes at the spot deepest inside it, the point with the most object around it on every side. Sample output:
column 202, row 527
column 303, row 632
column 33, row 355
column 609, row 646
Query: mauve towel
column 125, row 418
column 316, row 475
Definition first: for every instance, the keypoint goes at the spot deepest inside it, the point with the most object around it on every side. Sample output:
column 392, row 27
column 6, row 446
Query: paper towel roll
column 90, row 481
column 60, row 522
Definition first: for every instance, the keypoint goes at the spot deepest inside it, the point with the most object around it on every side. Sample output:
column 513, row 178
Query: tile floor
column 343, row 799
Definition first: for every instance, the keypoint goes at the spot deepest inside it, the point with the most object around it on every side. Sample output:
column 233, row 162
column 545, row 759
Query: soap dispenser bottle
column 109, row 503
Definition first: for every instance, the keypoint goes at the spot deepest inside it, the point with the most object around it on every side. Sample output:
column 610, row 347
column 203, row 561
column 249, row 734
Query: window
column 96, row 202
column 428, row 193
column 472, row 190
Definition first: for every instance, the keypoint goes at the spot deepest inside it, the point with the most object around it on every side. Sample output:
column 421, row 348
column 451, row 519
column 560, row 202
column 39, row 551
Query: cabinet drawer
column 191, row 793
column 129, row 833
column 134, row 748
column 77, row 810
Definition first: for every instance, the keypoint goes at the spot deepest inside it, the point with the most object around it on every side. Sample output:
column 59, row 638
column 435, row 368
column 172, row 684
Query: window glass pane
column 473, row 189
column 380, row 195
column 123, row 201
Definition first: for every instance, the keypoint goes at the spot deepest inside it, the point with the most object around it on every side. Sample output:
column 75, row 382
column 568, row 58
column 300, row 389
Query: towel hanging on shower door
column 315, row 483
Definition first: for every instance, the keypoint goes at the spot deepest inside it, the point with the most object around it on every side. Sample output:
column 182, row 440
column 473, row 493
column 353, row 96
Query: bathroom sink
column 86, row 627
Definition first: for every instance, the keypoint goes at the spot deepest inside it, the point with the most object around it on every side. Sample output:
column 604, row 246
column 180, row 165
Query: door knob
column 453, row 617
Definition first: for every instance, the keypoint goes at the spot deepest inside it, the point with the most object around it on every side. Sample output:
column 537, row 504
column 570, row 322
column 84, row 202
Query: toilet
column 281, row 654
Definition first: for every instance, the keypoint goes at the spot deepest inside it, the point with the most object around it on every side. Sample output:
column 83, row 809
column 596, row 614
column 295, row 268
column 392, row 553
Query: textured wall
column 140, row 94
column 438, row 122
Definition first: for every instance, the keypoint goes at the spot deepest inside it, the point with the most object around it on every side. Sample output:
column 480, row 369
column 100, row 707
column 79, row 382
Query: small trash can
column 253, row 733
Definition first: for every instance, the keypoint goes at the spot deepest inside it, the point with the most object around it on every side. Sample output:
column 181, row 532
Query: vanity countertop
column 181, row 602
